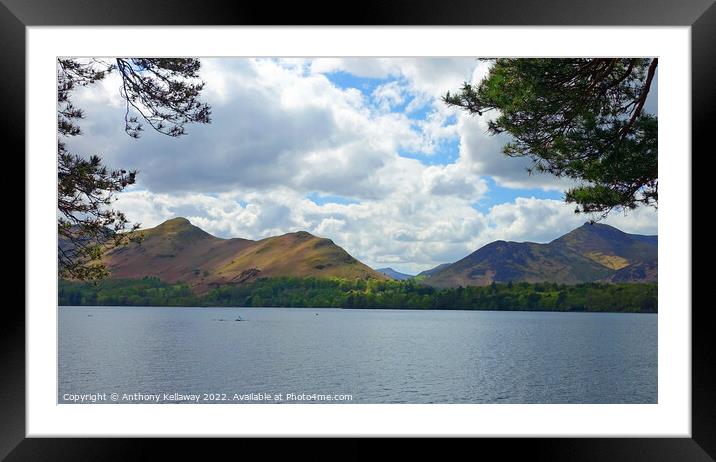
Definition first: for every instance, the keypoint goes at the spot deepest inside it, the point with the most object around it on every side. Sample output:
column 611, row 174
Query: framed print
column 419, row 221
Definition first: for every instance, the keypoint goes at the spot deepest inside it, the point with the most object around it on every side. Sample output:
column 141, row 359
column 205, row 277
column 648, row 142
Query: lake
column 187, row 355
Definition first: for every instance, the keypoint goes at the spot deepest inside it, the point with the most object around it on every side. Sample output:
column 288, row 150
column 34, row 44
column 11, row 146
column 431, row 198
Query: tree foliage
column 577, row 118
column 163, row 92
column 357, row 293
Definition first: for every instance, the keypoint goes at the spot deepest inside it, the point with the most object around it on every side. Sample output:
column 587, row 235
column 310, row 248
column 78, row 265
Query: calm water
column 376, row 356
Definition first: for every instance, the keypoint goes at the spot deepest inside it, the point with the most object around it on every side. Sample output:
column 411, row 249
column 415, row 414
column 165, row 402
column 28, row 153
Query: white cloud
column 482, row 153
column 453, row 180
column 542, row 220
column 388, row 96
column 430, row 76
column 272, row 126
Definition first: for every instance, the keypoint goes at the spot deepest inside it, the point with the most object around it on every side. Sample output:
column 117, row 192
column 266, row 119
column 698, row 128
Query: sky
column 358, row 150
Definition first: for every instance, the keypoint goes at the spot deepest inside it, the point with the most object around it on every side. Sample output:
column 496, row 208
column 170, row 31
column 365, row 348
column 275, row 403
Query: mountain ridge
column 592, row 252
column 393, row 274
column 178, row 251
column 433, row 270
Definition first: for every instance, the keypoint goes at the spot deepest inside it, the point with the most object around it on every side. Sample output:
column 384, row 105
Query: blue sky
column 497, row 194
column 359, row 150
column 345, row 80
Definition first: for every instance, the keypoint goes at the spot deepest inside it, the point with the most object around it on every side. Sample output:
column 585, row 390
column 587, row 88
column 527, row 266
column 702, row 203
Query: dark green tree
column 163, row 92
column 579, row 118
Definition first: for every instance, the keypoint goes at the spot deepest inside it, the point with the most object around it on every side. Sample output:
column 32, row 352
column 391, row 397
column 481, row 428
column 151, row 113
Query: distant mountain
column 391, row 273
column 430, row 272
column 592, row 252
column 177, row 251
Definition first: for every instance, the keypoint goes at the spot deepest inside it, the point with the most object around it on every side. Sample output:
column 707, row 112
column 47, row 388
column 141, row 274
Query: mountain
column 503, row 262
column 609, row 246
column 430, row 272
column 177, row 251
column 391, row 273
column 637, row 272
column 592, row 252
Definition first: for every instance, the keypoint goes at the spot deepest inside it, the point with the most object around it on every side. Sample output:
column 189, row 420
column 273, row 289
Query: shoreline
column 360, row 309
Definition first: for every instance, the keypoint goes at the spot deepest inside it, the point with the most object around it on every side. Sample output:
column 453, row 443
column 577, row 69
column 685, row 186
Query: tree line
column 370, row 294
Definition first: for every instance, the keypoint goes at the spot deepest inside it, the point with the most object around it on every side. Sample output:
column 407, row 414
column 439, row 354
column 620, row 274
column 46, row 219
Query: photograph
column 415, row 222
column 357, row 230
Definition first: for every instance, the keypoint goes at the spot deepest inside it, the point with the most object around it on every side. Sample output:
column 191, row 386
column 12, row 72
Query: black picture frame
column 16, row 15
